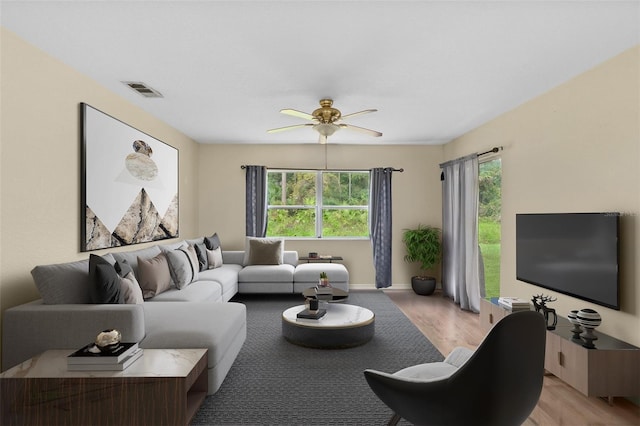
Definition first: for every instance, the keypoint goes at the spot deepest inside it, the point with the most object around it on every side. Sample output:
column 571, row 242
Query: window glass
column 318, row 203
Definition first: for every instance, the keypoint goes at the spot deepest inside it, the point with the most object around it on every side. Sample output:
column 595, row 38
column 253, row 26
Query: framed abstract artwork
column 129, row 184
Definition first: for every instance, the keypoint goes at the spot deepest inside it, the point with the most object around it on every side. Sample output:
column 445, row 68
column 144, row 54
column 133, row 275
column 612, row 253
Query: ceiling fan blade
column 295, row 126
column 296, row 113
column 361, row 129
column 354, row 114
column 322, row 140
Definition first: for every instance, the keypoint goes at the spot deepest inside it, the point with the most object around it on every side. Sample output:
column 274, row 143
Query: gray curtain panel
column 462, row 275
column 256, row 201
column 380, row 224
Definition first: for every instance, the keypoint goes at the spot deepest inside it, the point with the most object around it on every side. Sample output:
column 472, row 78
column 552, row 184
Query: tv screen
column 571, row 253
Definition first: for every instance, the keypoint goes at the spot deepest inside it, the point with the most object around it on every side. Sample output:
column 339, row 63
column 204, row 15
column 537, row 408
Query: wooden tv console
column 611, row 369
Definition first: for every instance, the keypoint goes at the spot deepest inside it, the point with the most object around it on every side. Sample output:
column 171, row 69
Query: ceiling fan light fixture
column 326, row 129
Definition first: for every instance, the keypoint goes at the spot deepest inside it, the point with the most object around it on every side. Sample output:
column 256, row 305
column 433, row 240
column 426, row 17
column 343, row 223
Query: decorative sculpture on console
column 540, row 303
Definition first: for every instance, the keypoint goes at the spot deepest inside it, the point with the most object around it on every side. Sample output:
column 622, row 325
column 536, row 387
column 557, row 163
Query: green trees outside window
column 489, row 223
column 318, row 203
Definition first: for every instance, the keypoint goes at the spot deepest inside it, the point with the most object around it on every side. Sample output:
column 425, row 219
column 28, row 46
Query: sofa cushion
column 153, row 275
column 132, row 256
column 267, row 273
column 265, row 252
column 209, row 325
column 104, row 281
column 227, row 273
column 64, row 283
column 183, row 265
column 310, row 272
column 198, row 291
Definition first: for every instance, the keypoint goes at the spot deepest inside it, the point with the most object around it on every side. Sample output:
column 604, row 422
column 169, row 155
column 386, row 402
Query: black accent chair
column 497, row 384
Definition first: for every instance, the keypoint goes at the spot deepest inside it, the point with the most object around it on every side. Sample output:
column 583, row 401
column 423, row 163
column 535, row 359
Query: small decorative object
column 108, row 340
column 313, row 255
column 588, row 319
column 313, row 305
column 540, row 302
column 573, row 319
column 324, row 280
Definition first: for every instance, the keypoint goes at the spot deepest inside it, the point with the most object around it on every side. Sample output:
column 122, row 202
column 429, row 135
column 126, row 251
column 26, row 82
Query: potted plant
column 324, row 280
column 423, row 246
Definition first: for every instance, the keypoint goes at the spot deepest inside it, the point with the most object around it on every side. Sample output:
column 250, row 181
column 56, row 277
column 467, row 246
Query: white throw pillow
column 215, row 258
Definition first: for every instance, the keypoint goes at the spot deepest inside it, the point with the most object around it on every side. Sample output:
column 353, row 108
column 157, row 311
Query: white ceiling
column 433, row 69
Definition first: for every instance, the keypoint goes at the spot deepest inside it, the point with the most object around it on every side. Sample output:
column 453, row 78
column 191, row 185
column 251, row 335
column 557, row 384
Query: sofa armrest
column 34, row 327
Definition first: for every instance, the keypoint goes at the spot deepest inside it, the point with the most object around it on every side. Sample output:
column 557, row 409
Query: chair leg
column 393, row 421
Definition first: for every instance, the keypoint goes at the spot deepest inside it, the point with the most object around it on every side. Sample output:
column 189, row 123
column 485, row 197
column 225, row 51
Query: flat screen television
column 572, row 253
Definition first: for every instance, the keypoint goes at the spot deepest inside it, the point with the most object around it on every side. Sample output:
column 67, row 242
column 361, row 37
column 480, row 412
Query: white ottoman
column 308, row 274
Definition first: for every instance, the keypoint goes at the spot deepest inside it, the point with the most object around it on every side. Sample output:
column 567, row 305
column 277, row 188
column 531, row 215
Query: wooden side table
column 163, row 387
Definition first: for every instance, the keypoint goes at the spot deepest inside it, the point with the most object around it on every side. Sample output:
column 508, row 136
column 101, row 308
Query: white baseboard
column 373, row 287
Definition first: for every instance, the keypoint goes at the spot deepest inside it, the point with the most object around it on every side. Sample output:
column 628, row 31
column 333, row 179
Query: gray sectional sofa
column 196, row 315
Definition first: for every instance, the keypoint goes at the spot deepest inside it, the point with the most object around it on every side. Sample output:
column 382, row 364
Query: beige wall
column 416, row 195
column 41, row 159
column 574, row 149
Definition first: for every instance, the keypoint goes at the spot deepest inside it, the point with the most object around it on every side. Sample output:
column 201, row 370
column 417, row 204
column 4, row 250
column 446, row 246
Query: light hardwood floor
column 447, row 326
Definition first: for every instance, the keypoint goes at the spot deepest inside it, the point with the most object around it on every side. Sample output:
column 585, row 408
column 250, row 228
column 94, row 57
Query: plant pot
column 423, row 286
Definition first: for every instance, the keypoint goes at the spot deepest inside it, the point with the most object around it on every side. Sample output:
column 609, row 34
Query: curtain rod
column 491, row 151
column 325, row 169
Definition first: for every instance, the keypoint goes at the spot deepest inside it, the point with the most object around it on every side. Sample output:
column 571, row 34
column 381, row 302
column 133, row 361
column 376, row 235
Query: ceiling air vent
column 143, row 89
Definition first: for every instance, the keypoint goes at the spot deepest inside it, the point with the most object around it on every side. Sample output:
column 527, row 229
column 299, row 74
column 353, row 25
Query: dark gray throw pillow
column 123, row 267
column 212, row 242
column 201, row 251
column 104, row 281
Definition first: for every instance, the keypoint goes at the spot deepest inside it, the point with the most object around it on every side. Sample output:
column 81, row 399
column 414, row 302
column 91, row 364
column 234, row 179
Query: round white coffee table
column 343, row 326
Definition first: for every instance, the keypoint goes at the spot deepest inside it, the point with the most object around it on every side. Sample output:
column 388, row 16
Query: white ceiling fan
column 326, row 120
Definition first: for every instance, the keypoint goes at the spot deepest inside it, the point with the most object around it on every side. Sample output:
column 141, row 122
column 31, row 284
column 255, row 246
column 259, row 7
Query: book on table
column 324, row 291
column 513, row 303
column 119, row 366
column 89, row 354
column 311, row 315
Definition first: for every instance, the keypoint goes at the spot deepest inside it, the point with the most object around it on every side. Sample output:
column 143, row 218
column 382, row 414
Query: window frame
column 319, row 207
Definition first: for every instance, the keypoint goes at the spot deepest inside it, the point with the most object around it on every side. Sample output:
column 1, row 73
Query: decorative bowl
column 588, row 318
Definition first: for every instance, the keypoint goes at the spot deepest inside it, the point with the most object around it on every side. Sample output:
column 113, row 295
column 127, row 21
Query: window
column 318, row 204
column 489, row 215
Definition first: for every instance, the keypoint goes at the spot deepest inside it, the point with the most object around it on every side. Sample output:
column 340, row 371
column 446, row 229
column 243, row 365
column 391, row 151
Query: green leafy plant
column 423, row 246
column 323, row 275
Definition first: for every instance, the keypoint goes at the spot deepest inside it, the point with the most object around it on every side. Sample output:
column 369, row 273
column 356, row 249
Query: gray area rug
column 274, row 382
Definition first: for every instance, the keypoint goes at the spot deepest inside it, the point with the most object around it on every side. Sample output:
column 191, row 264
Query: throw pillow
column 212, row 242
column 183, row 266
column 123, row 267
column 193, row 259
column 201, row 251
column 103, row 280
column 214, row 257
column 247, row 248
column 265, row 252
column 154, row 275
column 130, row 289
